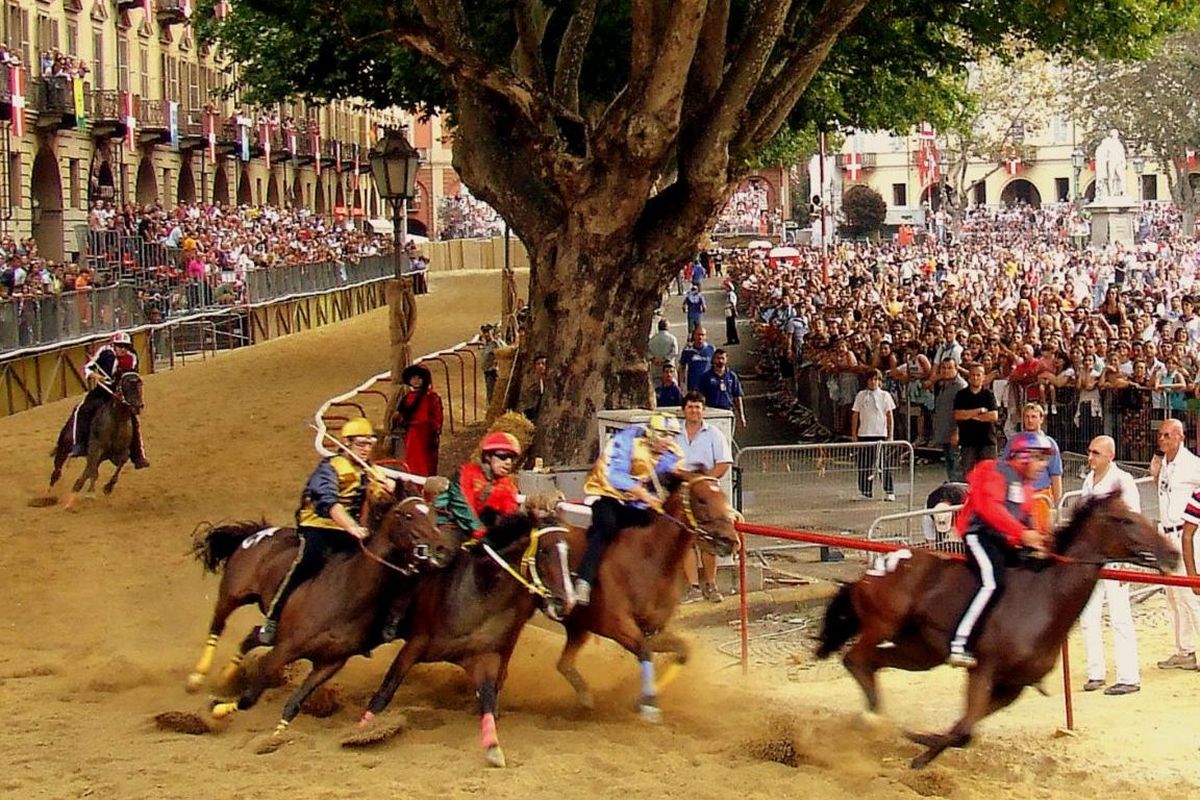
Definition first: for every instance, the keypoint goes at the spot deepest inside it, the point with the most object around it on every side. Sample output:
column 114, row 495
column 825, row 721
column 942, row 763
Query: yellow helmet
column 663, row 425
column 358, row 426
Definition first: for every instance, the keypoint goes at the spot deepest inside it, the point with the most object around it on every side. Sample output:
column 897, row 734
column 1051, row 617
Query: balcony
column 153, row 122
column 172, row 12
column 191, row 130
column 304, row 143
column 5, row 94
column 229, row 140
column 328, row 153
column 54, row 103
column 865, row 160
column 107, row 114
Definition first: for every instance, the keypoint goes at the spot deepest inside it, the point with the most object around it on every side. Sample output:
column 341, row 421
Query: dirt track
column 104, row 614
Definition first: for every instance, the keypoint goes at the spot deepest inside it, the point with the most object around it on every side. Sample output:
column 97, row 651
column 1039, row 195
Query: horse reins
column 534, row 585
column 420, row 551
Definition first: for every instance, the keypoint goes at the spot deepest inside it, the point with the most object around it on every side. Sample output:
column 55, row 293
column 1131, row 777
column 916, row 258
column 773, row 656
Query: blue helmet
column 1030, row 440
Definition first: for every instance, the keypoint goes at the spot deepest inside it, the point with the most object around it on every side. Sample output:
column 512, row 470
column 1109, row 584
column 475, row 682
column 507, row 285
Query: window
column 72, row 38
column 14, row 179
column 76, row 186
column 18, row 32
column 1062, row 189
column 193, row 76
column 47, row 34
column 981, row 193
column 899, row 194
column 1150, row 187
column 98, row 78
column 122, row 63
column 144, row 63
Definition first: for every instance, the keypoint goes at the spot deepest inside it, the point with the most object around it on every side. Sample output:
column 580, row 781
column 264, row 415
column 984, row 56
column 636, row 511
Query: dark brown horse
column 336, row 615
column 109, row 439
column 639, row 584
column 904, row 612
column 472, row 614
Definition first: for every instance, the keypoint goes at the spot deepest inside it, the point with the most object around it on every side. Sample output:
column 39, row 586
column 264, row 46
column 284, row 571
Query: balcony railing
column 152, row 115
column 5, row 87
column 172, row 12
column 865, row 160
column 54, row 102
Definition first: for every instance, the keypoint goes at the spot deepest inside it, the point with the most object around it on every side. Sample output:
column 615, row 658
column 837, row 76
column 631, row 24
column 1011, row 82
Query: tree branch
column 530, row 18
column 569, row 62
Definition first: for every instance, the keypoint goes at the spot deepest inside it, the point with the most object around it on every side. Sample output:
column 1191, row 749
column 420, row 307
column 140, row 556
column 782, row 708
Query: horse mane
column 674, row 480
column 510, row 529
column 1066, row 534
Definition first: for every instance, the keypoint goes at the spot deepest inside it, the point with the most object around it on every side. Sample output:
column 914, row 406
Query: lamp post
column 1078, row 158
column 394, row 165
column 1139, row 166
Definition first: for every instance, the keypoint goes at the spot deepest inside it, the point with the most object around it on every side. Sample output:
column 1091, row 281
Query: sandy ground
column 104, row 613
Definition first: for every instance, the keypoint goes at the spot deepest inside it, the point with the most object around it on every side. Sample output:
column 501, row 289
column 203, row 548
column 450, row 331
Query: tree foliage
column 609, row 133
column 864, row 210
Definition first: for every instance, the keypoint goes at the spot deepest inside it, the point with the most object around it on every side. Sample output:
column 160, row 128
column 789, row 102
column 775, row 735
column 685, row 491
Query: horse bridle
column 118, row 393
column 534, row 584
column 691, row 522
column 420, row 551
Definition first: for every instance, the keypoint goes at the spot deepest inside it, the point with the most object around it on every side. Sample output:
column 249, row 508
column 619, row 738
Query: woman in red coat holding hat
column 418, row 421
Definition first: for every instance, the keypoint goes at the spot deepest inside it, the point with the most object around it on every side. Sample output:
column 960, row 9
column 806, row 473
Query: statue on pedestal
column 1110, row 168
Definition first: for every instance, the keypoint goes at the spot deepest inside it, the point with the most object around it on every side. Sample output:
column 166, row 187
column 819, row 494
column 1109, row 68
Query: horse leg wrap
column 648, row 690
column 223, row 710
column 670, row 673
column 204, row 664
column 232, row 668
column 281, row 727
column 487, row 731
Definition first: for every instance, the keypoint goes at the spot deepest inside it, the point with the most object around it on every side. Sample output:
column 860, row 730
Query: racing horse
column 472, row 615
column 904, row 612
column 109, row 439
column 335, row 615
column 638, row 584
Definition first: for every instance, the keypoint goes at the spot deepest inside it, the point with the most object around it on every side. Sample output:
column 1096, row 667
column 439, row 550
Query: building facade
column 116, row 101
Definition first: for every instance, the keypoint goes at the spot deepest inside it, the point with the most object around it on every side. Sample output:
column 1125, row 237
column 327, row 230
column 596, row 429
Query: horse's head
column 701, row 505
column 548, row 568
column 409, row 528
column 1104, row 528
column 129, row 391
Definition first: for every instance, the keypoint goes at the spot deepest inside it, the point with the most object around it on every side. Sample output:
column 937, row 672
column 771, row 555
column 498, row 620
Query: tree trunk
column 595, row 310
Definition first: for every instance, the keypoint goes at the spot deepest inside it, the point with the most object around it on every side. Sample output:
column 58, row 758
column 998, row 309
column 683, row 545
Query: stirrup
column 266, row 632
column 963, row 659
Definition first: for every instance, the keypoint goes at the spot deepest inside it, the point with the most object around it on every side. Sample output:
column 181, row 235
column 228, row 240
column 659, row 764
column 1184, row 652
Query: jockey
column 624, row 486
column 999, row 514
column 482, row 492
column 328, row 518
column 103, row 371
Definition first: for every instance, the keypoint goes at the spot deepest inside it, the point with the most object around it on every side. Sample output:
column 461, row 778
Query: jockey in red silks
column 999, row 515
column 103, row 371
column 482, row 492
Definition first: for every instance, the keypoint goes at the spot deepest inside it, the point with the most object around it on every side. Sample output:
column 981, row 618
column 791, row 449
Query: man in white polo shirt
column 1106, row 478
column 706, row 450
column 1177, row 471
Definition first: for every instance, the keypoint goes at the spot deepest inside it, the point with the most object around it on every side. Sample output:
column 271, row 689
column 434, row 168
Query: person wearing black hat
column 418, row 422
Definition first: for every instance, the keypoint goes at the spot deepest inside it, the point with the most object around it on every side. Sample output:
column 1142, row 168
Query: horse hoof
column 923, row 739
column 108, row 490
column 495, row 756
column 871, row 720
column 269, row 743
column 586, row 700
column 922, row 761
column 194, row 682
column 651, row 714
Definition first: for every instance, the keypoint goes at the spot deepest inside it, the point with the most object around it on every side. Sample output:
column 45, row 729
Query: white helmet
column 121, row 337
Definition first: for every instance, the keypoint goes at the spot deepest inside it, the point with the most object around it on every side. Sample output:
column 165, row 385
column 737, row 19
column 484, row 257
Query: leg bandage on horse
column 987, row 559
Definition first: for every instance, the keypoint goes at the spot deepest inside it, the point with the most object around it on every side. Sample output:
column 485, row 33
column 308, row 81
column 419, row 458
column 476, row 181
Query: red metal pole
column 743, row 612
column 824, row 204
column 1066, row 668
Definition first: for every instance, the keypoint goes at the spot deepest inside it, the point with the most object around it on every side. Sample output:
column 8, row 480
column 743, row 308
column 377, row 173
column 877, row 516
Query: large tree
column 608, row 133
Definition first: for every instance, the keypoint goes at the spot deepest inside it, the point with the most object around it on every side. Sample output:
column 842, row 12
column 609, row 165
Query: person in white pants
column 1106, row 478
column 1177, row 471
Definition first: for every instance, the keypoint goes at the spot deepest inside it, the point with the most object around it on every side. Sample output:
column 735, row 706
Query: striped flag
column 316, row 140
column 210, row 123
column 266, row 141
column 291, row 139
column 130, row 122
column 17, row 79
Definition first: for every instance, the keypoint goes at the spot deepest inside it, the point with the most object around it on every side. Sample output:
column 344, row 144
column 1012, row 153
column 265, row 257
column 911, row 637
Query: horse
column 109, row 440
column 335, row 615
column 639, row 584
column 472, row 614
column 904, row 612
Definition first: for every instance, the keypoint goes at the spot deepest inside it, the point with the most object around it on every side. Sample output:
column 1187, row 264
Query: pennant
column 1190, row 155
column 173, row 121
column 210, row 119
column 354, row 180
column 130, row 122
column 1013, row 165
column 266, row 141
column 928, row 167
column 316, row 140
column 243, row 124
column 337, row 156
column 853, row 165
column 221, row 9
column 17, row 80
column 80, row 107
column 291, row 143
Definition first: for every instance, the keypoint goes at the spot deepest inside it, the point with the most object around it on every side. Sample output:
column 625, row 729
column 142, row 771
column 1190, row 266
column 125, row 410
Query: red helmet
column 500, row 441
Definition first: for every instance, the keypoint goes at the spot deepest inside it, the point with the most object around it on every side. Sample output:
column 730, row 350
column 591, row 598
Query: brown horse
column 906, row 609
column 336, row 615
column 472, row 614
column 639, row 583
column 109, row 440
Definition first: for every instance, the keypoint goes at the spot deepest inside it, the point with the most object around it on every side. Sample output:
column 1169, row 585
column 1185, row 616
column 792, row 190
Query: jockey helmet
column 663, row 425
column 500, row 442
column 1027, row 441
column 358, row 426
column 121, row 337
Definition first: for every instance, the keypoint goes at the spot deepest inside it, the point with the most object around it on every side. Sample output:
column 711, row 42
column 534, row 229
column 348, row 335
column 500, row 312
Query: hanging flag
column 1190, row 156
column 243, row 124
column 337, row 156
column 291, row 144
column 1013, row 165
column 266, row 141
column 130, row 122
column 928, row 168
column 186, row 7
column 316, row 140
column 853, row 165
column 354, row 180
column 77, row 98
column 210, row 124
column 17, row 80
column 173, row 121
column 221, row 9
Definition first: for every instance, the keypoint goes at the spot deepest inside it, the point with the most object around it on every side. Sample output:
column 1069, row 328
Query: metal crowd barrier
column 275, row 283
column 29, row 321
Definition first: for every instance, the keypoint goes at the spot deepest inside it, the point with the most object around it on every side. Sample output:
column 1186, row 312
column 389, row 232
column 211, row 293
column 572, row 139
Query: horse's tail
column 212, row 545
column 841, row 622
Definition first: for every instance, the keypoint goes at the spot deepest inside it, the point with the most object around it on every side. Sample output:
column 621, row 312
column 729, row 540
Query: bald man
column 1177, row 471
column 1107, row 478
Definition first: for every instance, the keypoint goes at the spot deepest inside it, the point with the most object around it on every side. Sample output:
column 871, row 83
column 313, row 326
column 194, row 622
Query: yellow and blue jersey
column 335, row 480
column 628, row 462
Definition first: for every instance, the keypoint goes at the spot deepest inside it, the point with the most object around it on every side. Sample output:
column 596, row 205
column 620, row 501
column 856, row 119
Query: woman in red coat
column 418, row 421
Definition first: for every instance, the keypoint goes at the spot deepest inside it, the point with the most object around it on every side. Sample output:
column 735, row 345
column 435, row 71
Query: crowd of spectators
column 1108, row 340
column 463, row 216
column 747, row 211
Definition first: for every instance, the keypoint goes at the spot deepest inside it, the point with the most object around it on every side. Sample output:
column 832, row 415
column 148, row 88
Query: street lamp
column 1078, row 159
column 1139, row 166
column 394, row 165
